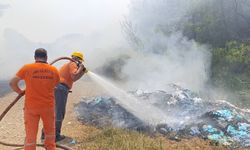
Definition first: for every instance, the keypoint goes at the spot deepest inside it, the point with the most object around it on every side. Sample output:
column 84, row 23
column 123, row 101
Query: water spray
column 143, row 110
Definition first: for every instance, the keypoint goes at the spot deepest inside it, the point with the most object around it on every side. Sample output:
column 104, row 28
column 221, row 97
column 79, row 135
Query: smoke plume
column 160, row 53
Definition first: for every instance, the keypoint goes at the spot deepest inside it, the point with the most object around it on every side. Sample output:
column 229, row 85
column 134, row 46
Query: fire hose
column 17, row 99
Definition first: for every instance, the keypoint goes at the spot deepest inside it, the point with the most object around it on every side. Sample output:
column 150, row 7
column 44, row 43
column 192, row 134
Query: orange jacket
column 65, row 73
column 40, row 80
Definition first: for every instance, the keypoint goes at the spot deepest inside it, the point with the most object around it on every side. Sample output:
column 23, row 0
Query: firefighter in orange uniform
column 40, row 80
column 69, row 73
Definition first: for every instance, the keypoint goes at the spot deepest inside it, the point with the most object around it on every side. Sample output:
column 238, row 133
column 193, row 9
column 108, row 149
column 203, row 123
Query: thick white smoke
column 163, row 54
column 158, row 52
column 186, row 64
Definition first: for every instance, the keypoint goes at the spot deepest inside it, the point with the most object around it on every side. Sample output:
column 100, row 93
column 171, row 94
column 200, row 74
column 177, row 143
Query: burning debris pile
column 219, row 121
column 103, row 111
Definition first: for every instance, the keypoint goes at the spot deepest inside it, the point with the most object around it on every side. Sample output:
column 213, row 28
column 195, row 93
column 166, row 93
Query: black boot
column 60, row 137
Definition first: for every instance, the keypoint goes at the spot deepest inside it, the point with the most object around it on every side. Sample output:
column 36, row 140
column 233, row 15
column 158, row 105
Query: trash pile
column 103, row 112
column 219, row 121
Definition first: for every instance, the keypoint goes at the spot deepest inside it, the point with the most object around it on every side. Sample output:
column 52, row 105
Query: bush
column 231, row 66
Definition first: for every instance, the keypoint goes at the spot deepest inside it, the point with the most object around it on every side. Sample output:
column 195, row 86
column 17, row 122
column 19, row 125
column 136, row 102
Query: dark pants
column 61, row 95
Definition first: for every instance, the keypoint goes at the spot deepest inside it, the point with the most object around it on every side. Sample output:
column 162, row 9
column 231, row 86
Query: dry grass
column 118, row 139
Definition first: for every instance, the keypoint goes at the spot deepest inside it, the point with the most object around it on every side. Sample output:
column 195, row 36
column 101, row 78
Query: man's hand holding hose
column 80, row 71
column 83, row 68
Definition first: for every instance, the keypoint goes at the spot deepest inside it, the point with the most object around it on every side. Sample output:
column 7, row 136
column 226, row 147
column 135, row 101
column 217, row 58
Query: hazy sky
column 47, row 20
column 61, row 27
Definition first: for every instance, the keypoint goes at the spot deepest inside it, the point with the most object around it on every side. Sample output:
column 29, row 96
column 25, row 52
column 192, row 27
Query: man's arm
column 14, row 85
column 79, row 73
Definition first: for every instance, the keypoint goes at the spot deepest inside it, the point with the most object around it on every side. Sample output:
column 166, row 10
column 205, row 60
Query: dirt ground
column 12, row 126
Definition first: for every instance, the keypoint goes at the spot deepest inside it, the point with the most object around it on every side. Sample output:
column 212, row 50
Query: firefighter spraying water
column 69, row 73
column 43, row 72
